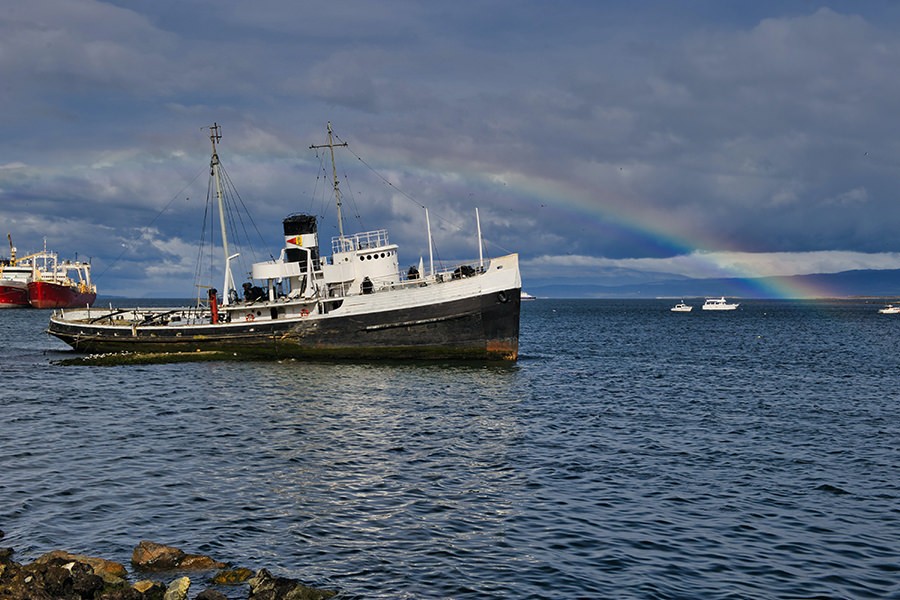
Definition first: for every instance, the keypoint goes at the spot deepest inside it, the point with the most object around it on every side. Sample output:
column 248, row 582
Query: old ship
column 355, row 304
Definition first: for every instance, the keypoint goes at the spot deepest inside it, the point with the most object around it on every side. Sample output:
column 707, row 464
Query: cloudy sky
column 599, row 140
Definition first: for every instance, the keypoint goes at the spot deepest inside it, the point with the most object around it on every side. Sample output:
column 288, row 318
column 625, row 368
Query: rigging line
column 379, row 175
column 158, row 215
column 198, row 273
column 241, row 213
column 400, row 191
column 323, row 176
column 247, row 212
column 353, row 200
column 324, row 202
column 310, row 207
column 239, row 237
column 403, row 193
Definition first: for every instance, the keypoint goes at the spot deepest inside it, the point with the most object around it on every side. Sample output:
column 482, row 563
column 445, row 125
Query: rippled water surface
column 630, row 453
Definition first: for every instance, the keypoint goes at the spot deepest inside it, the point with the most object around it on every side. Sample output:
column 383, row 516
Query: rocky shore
column 160, row 572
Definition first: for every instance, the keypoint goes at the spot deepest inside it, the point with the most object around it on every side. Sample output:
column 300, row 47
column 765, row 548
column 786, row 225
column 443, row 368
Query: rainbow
column 657, row 236
column 652, row 231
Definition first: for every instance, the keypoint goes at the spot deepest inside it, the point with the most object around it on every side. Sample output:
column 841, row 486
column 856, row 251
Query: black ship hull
column 483, row 327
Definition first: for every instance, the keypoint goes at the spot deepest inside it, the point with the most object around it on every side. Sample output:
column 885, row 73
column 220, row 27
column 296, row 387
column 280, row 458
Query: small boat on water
column 682, row 307
column 357, row 304
column 41, row 280
column 718, row 304
column 527, row 296
column 889, row 309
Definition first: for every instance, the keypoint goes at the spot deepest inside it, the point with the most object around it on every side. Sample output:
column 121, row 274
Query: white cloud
column 722, row 264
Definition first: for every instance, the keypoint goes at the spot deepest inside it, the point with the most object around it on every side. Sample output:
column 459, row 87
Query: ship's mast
column 337, row 190
column 215, row 134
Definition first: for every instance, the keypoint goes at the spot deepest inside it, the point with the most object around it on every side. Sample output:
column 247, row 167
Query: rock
column 9, row 570
column 263, row 586
column 52, row 579
column 150, row 590
column 150, row 556
column 112, row 572
column 232, row 576
column 199, row 562
column 178, row 589
column 122, row 592
column 210, row 595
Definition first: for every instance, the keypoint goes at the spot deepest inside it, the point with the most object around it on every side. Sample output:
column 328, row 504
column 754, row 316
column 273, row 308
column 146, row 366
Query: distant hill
column 876, row 283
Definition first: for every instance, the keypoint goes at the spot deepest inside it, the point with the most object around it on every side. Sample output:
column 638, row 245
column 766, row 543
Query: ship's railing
column 459, row 271
column 360, row 241
column 139, row 317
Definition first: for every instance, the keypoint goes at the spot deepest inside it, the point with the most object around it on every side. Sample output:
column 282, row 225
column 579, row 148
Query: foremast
column 215, row 134
column 337, row 190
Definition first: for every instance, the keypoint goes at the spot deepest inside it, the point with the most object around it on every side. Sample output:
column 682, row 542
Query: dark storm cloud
column 602, row 131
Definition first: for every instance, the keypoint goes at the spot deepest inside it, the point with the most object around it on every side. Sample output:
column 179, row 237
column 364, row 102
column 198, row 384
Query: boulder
column 232, row 576
column 6, row 555
column 178, row 589
column 150, row 590
column 151, row 556
column 210, row 594
column 264, row 586
column 112, row 572
column 9, row 570
column 53, row 579
column 199, row 562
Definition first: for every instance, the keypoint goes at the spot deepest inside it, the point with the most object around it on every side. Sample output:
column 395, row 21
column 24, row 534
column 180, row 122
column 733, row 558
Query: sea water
column 631, row 452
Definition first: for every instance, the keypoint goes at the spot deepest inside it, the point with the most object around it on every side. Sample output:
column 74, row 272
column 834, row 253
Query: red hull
column 42, row 294
column 13, row 296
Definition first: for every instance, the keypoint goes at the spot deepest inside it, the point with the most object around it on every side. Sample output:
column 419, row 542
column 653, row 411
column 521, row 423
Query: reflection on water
column 630, row 453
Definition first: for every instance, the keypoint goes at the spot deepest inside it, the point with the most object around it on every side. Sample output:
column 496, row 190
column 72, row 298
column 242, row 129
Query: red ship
column 64, row 284
column 13, row 294
column 46, row 294
column 41, row 280
column 15, row 273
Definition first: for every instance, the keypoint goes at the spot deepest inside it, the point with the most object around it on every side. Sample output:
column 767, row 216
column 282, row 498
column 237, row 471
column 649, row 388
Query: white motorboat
column 719, row 304
column 681, row 307
column 890, row 309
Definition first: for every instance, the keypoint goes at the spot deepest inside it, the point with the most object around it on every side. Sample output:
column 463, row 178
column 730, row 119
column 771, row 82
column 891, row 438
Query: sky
column 602, row 141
